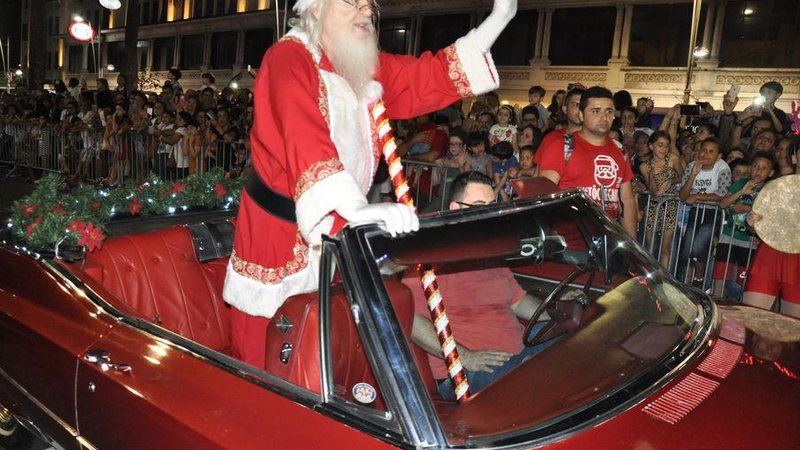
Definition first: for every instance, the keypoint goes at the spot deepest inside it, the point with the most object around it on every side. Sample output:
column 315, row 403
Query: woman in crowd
column 660, row 173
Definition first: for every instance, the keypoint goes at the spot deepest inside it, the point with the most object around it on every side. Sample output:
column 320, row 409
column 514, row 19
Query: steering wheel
column 569, row 316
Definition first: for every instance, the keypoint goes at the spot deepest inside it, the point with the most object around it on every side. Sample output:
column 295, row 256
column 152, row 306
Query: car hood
column 742, row 394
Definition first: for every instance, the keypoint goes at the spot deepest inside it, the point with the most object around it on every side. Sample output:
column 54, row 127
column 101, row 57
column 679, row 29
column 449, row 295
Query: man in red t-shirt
column 483, row 305
column 593, row 163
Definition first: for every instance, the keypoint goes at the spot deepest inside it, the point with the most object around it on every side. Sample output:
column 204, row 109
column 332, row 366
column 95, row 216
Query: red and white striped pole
column 435, row 303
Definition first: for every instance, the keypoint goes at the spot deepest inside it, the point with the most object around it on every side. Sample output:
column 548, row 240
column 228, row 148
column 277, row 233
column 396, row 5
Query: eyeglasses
column 369, row 7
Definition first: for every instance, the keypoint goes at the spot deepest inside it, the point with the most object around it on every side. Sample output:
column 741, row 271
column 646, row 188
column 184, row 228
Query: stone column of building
column 617, row 33
column 548, row 24
column 626, row 33
column 716, row 41
column 176, row 53
column 615, row 78
column 537, row 45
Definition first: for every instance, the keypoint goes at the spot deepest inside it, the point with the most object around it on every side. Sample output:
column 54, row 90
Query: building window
column 75, row 62
column 219, row 8
column 440, row 31
column 192, row 47
column 197, row 8
column 660, row 34
column 163, row 53
column 223, row 50
column 145, row 13
column 515, row 45
column 162, row 10
column 141, row 53
column 761, row 34
column 582, row 36
column 256, row 42
column 394, row 35
column 115, row 53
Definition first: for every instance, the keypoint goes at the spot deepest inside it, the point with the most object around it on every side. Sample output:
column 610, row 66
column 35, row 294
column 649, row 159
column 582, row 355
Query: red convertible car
column 127, row 347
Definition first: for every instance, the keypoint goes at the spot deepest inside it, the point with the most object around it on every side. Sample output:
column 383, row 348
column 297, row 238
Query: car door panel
column 45, row 323
column 172, row 398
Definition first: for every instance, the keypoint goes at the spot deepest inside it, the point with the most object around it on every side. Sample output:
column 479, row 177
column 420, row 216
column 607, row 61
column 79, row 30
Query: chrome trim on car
column 38, row 404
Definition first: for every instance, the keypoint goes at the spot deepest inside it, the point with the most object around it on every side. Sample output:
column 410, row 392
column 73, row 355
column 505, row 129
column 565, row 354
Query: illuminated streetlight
column 748, row 11
column 77, row 18
column 234, row 85
column 18, row 72
column 701, row 52
column 110, row 67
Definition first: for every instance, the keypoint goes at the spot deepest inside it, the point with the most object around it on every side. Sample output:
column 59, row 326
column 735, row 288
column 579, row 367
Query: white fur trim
column 373, row 92
column 303, row 37
column 302, row 5
column 260, row 299
column 321, row 199
column 350, row 128
column 478, row 66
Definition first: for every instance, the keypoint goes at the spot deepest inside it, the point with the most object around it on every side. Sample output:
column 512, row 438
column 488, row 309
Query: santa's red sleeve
column 414, row 86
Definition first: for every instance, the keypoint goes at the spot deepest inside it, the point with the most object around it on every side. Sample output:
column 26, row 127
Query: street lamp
column 700, row 52
column 692, row 43
column 110, row 5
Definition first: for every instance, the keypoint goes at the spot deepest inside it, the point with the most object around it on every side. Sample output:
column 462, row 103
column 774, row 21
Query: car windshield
column 617, row 319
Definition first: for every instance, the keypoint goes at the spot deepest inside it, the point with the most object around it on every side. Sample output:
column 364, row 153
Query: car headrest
column 212, row 240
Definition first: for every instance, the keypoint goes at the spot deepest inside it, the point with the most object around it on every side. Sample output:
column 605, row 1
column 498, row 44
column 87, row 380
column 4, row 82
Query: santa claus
column 314, row 147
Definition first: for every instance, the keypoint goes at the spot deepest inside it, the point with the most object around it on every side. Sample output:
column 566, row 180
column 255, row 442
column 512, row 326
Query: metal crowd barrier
column 429, row 183
column 688, row 245
column 683, row 237
column 93, row 154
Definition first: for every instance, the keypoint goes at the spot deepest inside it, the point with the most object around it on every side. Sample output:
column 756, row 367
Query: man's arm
column 526, row 306
column 629, row 208
column 424, row 334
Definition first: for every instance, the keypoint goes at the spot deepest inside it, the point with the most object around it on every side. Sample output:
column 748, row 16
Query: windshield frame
column 617, row 399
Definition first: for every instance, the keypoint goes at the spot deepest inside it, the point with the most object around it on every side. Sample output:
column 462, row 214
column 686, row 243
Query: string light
column 171, row 210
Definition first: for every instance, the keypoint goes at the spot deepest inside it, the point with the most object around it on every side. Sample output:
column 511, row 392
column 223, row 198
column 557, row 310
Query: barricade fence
column 699, row 244
column 104, row 156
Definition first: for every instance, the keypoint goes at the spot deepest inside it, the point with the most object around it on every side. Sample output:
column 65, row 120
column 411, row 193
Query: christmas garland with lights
column 51, row 216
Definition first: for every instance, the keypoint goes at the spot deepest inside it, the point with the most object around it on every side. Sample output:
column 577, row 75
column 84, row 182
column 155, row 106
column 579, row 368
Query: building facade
column 638, row 45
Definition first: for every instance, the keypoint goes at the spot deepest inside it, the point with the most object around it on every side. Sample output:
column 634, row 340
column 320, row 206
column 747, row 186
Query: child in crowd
column 526, row 167
column 736, row 244
column 705, row 180
column 479, row 160
column 660, row 173
column 535, row 96
column 735, row 153
column 740, row 169
column 502, row 161
column 504, row 130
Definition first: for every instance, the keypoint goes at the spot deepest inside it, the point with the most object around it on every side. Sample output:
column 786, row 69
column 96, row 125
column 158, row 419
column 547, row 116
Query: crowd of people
column 691, row 174
column 110, row 135
column 671, row 168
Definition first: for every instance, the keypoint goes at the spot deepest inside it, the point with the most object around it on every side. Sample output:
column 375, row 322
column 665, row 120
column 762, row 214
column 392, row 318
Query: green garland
column 79, row 216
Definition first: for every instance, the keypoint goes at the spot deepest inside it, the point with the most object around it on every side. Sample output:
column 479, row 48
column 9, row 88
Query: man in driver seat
column 484, row 304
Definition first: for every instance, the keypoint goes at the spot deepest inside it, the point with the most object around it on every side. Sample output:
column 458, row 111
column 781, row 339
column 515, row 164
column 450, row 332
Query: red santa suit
column 313, row 141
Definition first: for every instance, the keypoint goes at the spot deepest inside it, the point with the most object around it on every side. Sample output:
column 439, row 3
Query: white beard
column 355, row 60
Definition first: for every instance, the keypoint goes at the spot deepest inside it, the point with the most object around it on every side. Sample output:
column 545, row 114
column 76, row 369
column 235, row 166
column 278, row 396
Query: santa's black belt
column 270, row 201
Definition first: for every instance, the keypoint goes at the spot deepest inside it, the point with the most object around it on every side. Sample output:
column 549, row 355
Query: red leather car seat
column 157, row 274
column 350, row 365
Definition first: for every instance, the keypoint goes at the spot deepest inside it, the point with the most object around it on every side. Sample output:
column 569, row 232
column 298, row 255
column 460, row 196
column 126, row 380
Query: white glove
column 396, row 218
column 502, row 13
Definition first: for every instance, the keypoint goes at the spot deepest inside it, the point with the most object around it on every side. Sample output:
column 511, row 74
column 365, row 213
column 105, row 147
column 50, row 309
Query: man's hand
column 729, row 104
column 483, row 360
column 691, row 200
column 750, row 187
